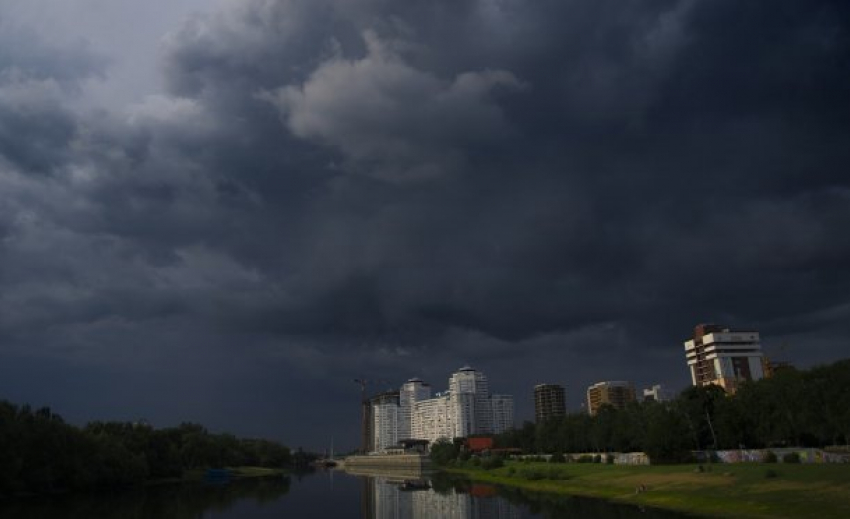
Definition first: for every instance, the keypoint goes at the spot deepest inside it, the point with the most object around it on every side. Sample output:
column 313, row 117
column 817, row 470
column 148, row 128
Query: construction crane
column 366, row 412
column 363, row 382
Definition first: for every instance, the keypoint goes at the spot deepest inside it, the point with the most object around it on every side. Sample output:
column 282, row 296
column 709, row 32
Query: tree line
column 793, row 408
column 39, row 452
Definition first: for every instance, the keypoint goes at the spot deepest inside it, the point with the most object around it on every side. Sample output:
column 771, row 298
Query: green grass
column 739, row 490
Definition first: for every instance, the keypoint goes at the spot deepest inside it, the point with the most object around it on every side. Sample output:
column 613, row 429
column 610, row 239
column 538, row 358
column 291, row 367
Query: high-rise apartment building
column 549, row 402
column 503, row 413
column 412, row 391
column 385, row 417
column 470, row 399
column 466, row 408
column 616, row 393
column 722, row 357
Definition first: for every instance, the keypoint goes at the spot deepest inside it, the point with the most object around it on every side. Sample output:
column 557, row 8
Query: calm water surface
column 331, row 494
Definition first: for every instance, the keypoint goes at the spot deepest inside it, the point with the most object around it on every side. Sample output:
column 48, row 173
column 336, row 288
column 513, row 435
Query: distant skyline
column 225, row 212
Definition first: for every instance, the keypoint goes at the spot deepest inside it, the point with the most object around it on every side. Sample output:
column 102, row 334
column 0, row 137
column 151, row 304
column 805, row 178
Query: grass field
column 739, row 490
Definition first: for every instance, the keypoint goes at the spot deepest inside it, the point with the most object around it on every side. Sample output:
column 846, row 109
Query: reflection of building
column 388, row 498
column 655, row 393
column 549, row 402
column 722, row 357
column 385, row 412
column 616, row 393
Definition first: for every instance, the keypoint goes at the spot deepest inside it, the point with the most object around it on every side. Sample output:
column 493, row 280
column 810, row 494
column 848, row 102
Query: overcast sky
column 225, row 211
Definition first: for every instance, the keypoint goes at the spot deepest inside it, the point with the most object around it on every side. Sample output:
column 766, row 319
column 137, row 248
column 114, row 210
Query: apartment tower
column 616, row 393
column 549, row 402
column 722, row 357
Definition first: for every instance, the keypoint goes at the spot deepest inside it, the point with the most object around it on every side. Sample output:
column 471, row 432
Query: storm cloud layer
column 327, row 189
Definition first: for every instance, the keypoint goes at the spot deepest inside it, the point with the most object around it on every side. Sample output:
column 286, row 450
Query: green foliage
column 770, row 474
column 800, row 408
column 39, row 452
column 539, row 472
column 557, row 458
column 492, row 462
column 791, row 457
column 443, row 451
column 770, row 457
column 609, row 459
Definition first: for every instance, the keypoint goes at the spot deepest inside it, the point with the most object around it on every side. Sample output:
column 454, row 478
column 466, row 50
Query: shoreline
column 742, row 490
column 189, row 477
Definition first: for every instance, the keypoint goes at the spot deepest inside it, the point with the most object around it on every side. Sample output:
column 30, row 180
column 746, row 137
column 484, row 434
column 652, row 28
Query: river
column 323, row 494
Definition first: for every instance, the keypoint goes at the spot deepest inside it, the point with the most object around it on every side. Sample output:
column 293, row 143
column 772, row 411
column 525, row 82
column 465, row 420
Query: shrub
column 791, row 457
column 476, row 461
column 532, row 474
column 597, row 459
column 609, row 459
column 557, row 458
column 492, row 462
column 770, row 457
column 770, row 474
column 585, row 458
column 511, row 471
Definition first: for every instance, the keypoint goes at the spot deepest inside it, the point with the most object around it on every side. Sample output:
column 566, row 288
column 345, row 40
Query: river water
column 324, row 494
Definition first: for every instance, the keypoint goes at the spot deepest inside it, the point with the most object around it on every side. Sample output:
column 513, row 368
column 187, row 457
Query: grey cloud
column 398, row 122
column 589, row 175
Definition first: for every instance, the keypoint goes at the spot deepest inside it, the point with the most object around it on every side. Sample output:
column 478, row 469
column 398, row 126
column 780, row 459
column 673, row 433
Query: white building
column 412, row 391
column 503, row 412
column 385, row 420
column 466, row 408
column 433, row 418
column 471, row 405
column 655, row 393
column 723, row 357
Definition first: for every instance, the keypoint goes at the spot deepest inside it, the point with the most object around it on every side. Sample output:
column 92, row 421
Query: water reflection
column 394, row 497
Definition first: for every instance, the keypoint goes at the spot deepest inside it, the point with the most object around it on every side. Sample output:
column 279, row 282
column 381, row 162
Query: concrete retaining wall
column 402, row 462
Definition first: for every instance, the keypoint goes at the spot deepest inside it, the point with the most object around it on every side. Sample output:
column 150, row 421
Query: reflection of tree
column 178, row 501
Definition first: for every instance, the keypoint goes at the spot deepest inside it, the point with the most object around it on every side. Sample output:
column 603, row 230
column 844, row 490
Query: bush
column 511, row 471
column 532, row 474
column 609, row 459
column 476, row 461
column 791, row 457
column 770, row 474
column 770, row 457
column 597, row 459
column 585, row 458
column 492, row 462
column 557, row 458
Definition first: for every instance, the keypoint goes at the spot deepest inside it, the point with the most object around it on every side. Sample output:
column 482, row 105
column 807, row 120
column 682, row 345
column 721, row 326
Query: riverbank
column 740, row 490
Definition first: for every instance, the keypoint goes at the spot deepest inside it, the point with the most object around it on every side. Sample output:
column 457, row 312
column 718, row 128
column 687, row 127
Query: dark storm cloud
column 337, row 187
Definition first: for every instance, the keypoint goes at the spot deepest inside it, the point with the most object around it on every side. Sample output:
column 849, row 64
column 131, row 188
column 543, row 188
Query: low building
column 655, row 393
column 616, row 393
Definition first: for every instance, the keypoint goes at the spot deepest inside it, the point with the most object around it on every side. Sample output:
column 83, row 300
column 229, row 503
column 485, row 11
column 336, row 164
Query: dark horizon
column 224, row 212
